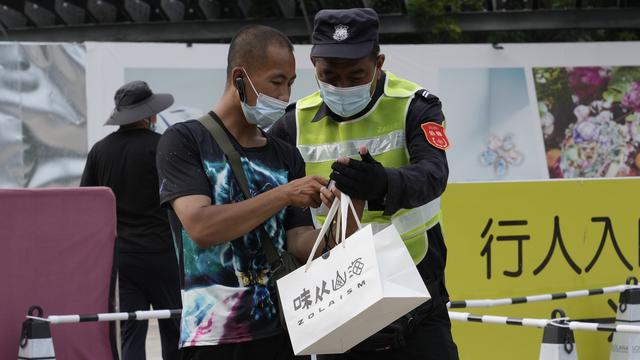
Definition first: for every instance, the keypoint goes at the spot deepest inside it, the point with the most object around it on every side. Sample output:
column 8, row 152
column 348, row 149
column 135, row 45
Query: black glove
column 364, row 180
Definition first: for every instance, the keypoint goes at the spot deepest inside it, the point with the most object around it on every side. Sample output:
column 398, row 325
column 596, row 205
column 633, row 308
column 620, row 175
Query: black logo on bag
column 356, row 267
column 340, row 281
column 323, row 294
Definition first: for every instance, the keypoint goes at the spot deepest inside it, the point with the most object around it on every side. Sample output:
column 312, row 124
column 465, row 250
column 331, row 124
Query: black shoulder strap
column 222, row 139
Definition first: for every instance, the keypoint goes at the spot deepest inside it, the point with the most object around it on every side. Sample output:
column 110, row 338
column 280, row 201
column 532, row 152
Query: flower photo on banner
column 501, row 153
column 590, row 120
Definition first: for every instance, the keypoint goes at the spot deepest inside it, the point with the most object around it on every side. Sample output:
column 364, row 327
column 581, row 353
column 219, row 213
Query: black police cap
column 346, row 34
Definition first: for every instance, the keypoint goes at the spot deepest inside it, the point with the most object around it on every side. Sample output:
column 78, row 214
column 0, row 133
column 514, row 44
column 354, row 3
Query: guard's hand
column 365, row 179
column 305, row 192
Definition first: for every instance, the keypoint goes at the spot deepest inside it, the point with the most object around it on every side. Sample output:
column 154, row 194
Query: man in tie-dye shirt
column 229, row 304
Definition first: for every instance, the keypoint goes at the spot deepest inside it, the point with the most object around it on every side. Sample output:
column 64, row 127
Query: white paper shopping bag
column 362, row 285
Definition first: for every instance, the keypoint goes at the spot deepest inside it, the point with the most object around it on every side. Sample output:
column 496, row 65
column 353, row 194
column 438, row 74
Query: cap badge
column 341, row 32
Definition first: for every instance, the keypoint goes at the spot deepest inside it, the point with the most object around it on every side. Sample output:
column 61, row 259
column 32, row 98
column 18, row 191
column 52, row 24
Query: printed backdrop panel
column 508, row 111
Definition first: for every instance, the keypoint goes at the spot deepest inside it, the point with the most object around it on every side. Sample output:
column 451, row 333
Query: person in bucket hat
column 146, row 262
column 393, row 133
column 136, row 102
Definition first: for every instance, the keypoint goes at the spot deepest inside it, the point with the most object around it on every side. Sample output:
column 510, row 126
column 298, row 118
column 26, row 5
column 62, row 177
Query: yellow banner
column 512, row 239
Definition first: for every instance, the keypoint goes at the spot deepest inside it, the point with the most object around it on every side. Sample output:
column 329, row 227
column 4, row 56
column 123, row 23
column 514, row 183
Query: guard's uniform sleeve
column 285, row 128
column 426, row 177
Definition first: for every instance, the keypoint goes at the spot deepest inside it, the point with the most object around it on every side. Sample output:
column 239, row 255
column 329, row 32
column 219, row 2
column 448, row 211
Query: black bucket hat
column 135, row 101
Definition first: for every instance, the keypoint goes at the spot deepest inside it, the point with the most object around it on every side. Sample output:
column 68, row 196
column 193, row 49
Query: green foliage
column 385, row 6
column 435, row 15
column 627, row 36
column 430, row 13
column 340, row 4
column 620, row 83
column 551, row 84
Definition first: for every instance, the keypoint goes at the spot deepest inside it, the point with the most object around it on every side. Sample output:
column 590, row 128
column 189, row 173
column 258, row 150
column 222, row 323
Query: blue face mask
column 346, row 102
column 266, row 111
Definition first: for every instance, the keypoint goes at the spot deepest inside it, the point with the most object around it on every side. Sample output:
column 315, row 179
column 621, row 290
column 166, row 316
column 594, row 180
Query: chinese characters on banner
column 607, row 233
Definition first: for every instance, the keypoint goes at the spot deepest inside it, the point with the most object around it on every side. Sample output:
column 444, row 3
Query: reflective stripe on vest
column 382, row 130
column 330, row 152
column 412, row 224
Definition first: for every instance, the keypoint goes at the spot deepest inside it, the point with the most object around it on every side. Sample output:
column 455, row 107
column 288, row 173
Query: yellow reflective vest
column 382, row 130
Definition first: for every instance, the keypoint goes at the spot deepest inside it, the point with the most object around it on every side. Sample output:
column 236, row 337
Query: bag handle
column 342, row 205
column 323, row 230
column 233, row 157
column 345, row 205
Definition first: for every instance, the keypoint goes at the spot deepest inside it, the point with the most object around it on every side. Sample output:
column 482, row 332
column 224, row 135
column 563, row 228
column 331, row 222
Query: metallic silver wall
column 43, row 107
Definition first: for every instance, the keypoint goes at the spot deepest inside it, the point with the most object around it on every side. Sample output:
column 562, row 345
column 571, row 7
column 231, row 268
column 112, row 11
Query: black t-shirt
column 187, row 151
column 125, row 161
column 229, row 284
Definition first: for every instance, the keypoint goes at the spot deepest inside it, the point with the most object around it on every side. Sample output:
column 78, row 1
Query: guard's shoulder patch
column 435, row 135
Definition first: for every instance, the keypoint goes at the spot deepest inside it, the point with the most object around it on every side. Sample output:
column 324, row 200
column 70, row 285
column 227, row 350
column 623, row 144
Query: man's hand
column 365, row 180
column 208, row 224
column 330, row 193
column 304, row 192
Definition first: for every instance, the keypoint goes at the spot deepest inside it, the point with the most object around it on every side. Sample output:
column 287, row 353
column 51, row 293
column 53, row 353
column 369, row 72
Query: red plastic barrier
column 57, row 252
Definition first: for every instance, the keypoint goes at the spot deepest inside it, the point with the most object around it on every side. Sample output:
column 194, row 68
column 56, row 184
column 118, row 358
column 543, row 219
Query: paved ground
column 154, row 351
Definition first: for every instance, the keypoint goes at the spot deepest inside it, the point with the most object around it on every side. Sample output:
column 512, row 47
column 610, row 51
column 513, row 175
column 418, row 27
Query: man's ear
column 236, row 72
column 380, row 61
column 237, row 81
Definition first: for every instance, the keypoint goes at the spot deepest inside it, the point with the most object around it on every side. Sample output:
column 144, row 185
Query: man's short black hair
column 249, row 46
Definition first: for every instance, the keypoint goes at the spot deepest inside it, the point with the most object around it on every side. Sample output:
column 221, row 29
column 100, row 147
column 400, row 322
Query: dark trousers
column 149, row 279
column 430, row 339
column 272, row 348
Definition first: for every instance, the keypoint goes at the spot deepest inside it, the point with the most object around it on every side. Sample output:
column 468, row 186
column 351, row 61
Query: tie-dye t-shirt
column 227, row 293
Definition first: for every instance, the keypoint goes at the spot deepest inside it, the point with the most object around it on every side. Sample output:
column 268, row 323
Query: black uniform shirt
column 416, row 184
column 125, row 161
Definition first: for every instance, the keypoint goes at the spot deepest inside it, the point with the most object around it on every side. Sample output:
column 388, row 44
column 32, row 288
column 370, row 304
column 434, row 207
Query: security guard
column 393, row 131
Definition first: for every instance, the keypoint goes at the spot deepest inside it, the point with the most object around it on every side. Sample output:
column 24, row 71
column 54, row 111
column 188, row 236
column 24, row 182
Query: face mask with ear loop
column 346, row 102
column 151, row 126
column 267, row 109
